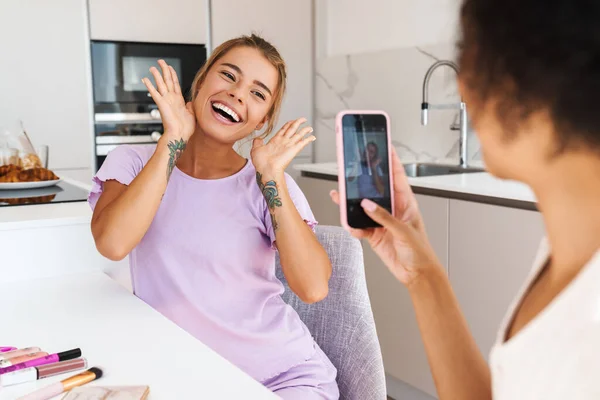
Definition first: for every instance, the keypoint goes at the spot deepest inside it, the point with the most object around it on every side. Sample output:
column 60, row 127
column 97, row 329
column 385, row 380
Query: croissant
column 13, row 173
column 5, row 169
column 36, row 175
column 29, row 200
column 12, row 176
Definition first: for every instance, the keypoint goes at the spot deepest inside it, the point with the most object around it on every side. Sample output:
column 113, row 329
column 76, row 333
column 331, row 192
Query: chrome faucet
column 462, row 126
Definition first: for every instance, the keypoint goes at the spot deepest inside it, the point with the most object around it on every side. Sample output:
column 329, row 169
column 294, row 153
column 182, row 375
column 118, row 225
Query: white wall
column 373, row 55
column 392, row 80
column 321, row 29
column 44, row 76
column 356, row 26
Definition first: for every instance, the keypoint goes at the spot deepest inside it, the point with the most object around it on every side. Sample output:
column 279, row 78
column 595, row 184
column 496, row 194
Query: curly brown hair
column 536, row 55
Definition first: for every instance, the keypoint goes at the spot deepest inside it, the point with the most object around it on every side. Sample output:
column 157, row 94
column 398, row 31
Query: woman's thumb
column 257, row 142
column 190, row 107
column 382, row 216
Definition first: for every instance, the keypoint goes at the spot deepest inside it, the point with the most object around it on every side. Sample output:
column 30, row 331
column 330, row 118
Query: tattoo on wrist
column 176, row 148
column 271, row 195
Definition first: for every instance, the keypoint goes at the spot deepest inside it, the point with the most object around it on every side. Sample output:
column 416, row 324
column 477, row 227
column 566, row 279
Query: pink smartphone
column 364, row 155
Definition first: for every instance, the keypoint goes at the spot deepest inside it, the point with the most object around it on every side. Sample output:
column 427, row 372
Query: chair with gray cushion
column 343, row 324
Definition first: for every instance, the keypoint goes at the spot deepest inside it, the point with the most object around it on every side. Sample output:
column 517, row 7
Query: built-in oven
column 125, row 123
column 124, row 112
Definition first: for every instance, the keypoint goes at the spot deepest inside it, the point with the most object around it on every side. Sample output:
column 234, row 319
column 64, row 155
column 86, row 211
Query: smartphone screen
column 366, row 165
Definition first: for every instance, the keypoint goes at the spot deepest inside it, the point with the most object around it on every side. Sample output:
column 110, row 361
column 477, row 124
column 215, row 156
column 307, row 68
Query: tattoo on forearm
column 274, row 222
column 176, row 148
column 271, row 195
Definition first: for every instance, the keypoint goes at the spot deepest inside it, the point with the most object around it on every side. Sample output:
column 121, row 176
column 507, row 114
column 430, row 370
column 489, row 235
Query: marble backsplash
column 392, row 81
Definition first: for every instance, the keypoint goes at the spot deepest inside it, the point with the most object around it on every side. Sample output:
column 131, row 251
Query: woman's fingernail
column 368, row 205
column 331, row 192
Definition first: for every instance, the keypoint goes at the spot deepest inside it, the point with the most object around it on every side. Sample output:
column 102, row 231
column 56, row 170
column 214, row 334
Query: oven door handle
column 128, row 118
column 137, row 139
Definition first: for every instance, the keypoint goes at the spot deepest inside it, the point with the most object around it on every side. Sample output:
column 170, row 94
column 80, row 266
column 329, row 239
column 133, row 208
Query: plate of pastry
column 15, row 177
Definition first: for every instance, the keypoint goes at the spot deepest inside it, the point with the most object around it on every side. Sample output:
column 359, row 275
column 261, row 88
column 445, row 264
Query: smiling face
column 236, row 95
column 372, row 151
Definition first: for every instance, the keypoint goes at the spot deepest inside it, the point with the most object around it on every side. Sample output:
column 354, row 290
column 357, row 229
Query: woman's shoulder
column 576, row 305
column 137, row 152
column 124, row 162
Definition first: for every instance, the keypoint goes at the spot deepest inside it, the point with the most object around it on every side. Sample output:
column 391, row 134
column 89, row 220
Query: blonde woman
column 201, row 223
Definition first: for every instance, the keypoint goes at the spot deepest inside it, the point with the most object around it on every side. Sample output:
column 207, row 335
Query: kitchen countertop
column 478, row 187
column 130, row 341
column 44, row 215
column 62, row 238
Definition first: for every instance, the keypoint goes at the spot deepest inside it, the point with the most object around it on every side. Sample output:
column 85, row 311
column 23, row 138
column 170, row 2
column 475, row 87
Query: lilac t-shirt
column 207, row 263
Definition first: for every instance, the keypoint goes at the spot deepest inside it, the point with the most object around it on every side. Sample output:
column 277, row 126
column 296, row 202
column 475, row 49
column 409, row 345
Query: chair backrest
column 343, row 323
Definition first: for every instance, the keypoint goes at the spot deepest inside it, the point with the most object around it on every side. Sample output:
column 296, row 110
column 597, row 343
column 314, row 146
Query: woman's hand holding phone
column 401, row 242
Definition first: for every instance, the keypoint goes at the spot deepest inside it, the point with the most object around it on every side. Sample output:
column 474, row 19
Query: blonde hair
column 269, row 52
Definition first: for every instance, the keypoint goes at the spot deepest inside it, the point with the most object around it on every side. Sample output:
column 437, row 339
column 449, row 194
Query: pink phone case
column 341, row 163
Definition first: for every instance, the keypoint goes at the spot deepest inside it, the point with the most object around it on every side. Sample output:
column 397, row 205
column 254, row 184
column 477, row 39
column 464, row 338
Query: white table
column 131, row 342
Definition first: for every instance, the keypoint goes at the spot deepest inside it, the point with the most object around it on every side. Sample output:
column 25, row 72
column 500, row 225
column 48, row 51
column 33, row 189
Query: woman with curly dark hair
column 530, row 74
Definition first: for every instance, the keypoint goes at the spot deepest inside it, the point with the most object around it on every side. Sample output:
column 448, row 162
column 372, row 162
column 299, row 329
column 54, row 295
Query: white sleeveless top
column 556, row 356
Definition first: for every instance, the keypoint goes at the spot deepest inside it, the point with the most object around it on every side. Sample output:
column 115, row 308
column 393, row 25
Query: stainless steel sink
column 415, row 170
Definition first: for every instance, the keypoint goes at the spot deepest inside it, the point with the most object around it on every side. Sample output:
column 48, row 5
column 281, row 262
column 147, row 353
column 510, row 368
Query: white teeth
column 228, row 110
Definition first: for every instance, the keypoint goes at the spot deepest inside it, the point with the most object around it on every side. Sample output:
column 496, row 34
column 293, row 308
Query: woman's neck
column 568, row 197
column 205, row 158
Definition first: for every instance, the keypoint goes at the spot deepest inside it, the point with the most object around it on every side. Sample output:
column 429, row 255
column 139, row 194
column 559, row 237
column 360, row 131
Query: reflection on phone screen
column 366, row 165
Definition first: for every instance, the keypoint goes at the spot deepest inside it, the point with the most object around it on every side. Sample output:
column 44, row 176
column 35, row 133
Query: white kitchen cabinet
column 491, row 253
column 403, row 351
column 317, row 195
column 175, row 21
column 287, row 24
column 436, row 217
column 55, row 239
column 45, row 77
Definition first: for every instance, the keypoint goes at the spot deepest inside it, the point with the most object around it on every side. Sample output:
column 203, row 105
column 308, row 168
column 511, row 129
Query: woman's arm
column 123, row 213
column 459, row 370
column 378, row 178
column 304, row 262
column 458, row 367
